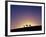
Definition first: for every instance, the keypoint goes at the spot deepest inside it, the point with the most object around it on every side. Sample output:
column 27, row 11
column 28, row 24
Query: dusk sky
column 22, row 15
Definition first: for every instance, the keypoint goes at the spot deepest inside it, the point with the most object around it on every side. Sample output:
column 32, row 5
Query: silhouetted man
column 26, row 25
column 29, row 25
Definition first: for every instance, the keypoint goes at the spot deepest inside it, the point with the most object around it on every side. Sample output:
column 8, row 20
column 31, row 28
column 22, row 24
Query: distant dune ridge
column 28, row 28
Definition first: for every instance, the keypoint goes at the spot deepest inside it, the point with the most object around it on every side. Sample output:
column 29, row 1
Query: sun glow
column 24, row 22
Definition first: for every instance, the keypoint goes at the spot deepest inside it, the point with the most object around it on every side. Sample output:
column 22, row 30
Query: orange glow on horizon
column 27, row 21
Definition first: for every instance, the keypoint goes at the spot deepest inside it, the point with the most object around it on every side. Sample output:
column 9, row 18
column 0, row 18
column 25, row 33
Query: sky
column 22, row 15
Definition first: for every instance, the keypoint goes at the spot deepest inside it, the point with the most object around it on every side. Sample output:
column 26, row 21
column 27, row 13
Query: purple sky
column 22, row 15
